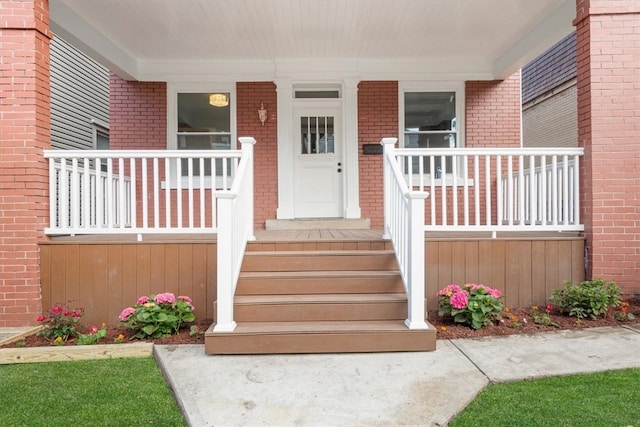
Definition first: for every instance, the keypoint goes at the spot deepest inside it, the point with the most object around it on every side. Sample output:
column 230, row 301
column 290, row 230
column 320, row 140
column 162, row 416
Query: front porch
column 504, row 217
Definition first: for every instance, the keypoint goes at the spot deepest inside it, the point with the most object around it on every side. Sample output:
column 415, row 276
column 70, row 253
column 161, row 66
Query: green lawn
column 604, row 399
column 115, row 392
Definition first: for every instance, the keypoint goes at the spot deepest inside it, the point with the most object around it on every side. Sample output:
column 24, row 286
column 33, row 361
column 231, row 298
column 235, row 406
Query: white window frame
column 98, row 126
column 173, row 89
column 459, row 89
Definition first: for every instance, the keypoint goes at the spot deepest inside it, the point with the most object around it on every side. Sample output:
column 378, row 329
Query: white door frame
column 349, row 147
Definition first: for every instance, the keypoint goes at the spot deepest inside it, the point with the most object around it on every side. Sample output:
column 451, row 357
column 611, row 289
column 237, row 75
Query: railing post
column 246, row 144
column 416, row 282
column 388, row 145
column 224, row 312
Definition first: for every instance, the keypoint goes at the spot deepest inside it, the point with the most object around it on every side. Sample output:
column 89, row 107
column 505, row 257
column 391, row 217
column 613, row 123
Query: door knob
column 339, row 164
column 339, row 170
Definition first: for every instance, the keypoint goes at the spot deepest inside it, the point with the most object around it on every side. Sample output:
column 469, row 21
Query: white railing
column 404, row 225
column 235, row 209
column 142, row 191
column 497, row 189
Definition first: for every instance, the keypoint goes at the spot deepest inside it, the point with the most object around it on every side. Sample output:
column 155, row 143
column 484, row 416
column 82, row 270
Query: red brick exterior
column 377, row 119
column 24, row 176
column 138, row 114
column 249, row 96
column 492, row 113
column 608, row 48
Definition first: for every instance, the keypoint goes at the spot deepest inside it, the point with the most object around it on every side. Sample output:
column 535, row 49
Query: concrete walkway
column 379, row 389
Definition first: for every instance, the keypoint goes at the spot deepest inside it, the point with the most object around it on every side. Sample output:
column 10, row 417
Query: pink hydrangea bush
column 471, row 304
column 160, row 315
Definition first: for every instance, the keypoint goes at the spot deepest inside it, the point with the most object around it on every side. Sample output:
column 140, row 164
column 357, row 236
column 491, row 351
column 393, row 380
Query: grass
column 115, row 392
column 602, row 399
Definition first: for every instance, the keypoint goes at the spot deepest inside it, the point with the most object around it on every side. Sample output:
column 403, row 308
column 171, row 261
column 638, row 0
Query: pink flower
column 76, row 313
column 493, row 292
column 67, row 312
column 57, row 309
column 167, row 297
column 126, row 313
column 94, row 329
column 549, row 307
column 459, row 300
column 449, row 290
column 185, row 299
column 142, row 300
column 41, row 318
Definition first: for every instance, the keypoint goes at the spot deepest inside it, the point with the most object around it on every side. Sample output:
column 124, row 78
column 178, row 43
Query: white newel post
column 415, row 288
column 388, row 145
column 247, row 143
column 224, row 312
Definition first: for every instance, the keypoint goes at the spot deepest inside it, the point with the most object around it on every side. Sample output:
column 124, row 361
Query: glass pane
column 204, row 142
column 317, row 135
column 196, row 114
column 424, row 111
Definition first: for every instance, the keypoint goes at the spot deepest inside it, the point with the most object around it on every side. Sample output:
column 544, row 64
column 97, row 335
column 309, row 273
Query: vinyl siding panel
column 79, row 96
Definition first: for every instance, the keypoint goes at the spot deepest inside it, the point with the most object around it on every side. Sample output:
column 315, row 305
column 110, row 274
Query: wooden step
column 319, row 261
column 319, row 337
column 318, row 282
column 325, row 307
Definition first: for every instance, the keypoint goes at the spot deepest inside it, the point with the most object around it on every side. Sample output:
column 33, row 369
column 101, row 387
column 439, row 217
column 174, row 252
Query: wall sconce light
column 262, row 114
column 218, row 100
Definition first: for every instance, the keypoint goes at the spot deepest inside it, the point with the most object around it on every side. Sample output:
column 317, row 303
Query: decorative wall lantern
column 262, row 114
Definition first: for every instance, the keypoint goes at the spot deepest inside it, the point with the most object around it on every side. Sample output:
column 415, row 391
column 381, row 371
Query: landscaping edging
column 10, row 356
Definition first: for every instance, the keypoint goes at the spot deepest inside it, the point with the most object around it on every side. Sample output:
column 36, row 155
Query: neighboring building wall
column 79, row 97
column 377, row 119
column 249, row 95
column 552, row 121
column 549, row 96
column 25, row 132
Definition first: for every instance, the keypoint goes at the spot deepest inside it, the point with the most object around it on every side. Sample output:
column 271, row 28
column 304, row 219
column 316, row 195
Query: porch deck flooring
column 309, row 235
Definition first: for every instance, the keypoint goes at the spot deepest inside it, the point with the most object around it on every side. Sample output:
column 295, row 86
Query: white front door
column 317, row 163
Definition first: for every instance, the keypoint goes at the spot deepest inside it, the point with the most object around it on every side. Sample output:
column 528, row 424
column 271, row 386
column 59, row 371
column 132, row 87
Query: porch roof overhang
column 258, row 40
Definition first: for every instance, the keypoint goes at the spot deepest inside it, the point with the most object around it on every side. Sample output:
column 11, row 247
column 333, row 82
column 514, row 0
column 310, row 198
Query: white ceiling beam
column 535, row 42
column 72, row 28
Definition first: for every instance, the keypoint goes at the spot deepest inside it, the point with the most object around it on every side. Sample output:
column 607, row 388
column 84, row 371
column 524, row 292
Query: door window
column 317, row 135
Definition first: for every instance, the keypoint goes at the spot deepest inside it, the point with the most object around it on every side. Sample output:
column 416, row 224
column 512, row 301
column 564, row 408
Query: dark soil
column 515, row 321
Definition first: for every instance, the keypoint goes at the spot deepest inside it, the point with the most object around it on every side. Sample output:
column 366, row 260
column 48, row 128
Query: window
column 101, row 140
column 432, row 119
column 204, row 123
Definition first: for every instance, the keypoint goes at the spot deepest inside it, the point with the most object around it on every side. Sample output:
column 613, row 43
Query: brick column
column 24, row 134
column 608, row 58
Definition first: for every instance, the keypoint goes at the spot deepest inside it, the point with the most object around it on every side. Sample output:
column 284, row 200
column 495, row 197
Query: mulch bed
column 516, row 321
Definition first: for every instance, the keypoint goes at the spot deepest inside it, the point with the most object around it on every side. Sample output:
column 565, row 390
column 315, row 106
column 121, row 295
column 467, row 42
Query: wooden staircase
column 319, row 297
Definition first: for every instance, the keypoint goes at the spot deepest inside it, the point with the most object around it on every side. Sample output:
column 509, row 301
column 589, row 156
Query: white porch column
column 350, row 126
column 284, row 89
column 224, row 310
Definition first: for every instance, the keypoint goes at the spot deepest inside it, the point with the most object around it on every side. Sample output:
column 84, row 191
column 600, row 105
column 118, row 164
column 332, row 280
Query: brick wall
column 608, row 48
column 138, row 114
column 249, row 96
column 552, row 121
column 377, row 119
column 492, row 113
column 25, row 133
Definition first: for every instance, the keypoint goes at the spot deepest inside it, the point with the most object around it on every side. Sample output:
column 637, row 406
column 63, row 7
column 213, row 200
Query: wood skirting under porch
column 106, row 273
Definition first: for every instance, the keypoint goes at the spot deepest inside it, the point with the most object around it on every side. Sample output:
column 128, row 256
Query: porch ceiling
column 260, row 39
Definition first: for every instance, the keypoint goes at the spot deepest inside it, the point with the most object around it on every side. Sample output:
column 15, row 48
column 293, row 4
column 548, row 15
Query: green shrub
column 470, row 304
column 156, row 316
column 591, row 298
